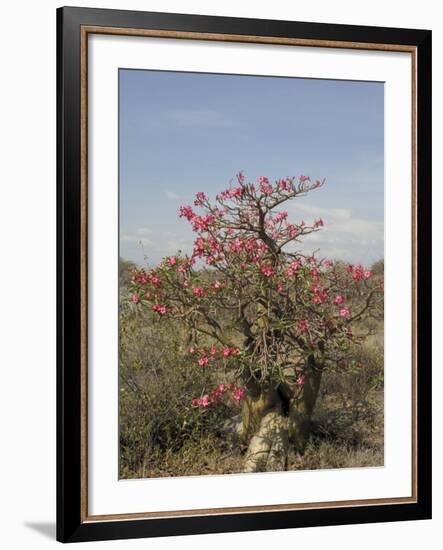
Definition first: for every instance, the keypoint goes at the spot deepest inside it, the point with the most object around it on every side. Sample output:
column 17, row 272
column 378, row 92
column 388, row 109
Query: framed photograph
column 244, row 274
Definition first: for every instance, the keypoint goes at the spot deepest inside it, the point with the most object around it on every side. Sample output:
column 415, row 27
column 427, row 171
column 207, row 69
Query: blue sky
column 186, row 132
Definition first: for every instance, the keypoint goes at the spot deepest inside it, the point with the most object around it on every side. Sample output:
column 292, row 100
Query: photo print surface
column 251, row 269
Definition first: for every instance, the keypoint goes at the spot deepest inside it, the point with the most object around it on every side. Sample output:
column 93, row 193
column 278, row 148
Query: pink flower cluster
column 344, row 312
column 264, row 185
column 319, row 296
column 285, row 185
column 198, row 291
column 200, row 198
column 293, row 266
column 199, row 223
column 358, row 272
column 291, row 231
column 207, row 353
column 232, row 193
column 215, row 395
column 238, row 394
column 158, row 308
column 141, row 277
column 338, row 300
column 267, row 271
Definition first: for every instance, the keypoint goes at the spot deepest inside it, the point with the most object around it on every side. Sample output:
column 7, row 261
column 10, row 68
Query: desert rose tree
column 258, row 310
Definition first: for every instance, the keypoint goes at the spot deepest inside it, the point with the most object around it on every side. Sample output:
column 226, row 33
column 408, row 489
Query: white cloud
column 135, row 240
column 139, row 237
column 343, row 236
column 172, row 196
column 143, row 231
column 143, row 242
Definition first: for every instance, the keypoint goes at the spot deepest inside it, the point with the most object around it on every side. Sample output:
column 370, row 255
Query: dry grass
column 162, row 435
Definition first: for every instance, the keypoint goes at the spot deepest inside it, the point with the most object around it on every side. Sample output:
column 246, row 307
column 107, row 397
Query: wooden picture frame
column 74, row 522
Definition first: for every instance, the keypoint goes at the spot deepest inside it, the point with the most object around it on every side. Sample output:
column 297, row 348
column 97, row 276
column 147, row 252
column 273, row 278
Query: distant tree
column 272, row 317
column 378, row 267
column 124, row 273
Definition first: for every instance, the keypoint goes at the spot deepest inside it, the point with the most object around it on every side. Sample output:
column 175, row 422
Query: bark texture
column 301, row 407
column 276, row 419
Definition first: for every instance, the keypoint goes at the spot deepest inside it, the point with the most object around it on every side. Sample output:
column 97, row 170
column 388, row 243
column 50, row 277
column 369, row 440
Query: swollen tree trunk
column 276, row 419
column 265, row 427
column 301, row 407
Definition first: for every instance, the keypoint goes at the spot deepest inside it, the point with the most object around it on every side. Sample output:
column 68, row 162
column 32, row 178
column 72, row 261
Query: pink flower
column 198, row 291
column 303, row 325
column 318, row 223
column 135, row 299
column 226, row 352
column 186, row 212
column 149, row 295
column 358, row 272
column 262, row 179
column 217, row 285
column 203, row 361
column 155, row 281
column 320, row 298
column 213, row 351
column 339, row 299
column 236, row 246
column 344, row 312
column 192, row 349
column 304, row 178
column 367, row 274
column 300, row 381
column 233, row 351
column 293, row 266
column 280, row 288
column 238, row 394
column 266, row 189
column 186, row 283
column 172, row 261
column 222, row 388
column 204, row 401
column 201, row 196
column 268, row 271
column 280, row 217
column 161, row 310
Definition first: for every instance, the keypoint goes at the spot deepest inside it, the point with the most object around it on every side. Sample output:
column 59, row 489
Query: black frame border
column 70, row 527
